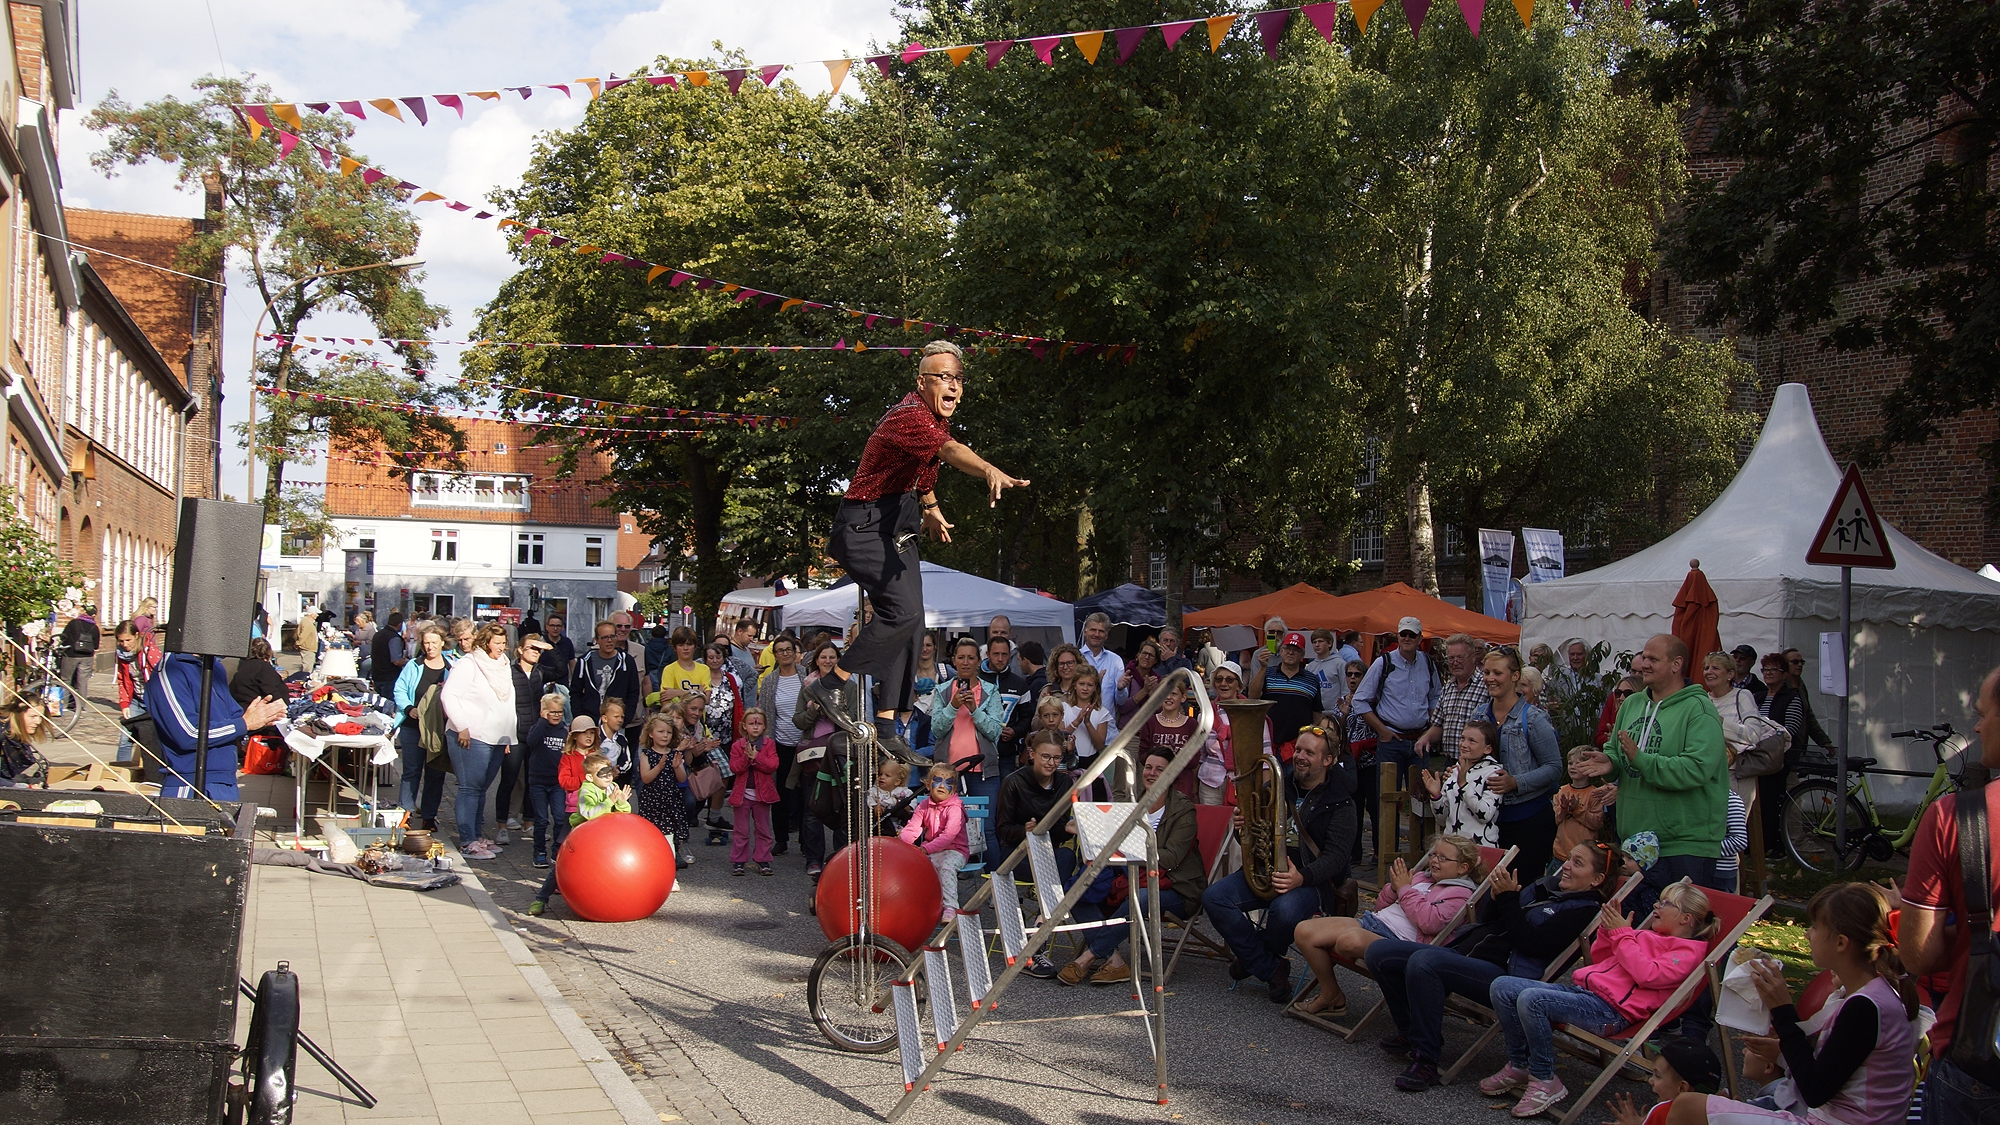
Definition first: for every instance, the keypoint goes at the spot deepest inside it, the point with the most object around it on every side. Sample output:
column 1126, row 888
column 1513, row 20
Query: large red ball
column 616, row 868
column 907, row 902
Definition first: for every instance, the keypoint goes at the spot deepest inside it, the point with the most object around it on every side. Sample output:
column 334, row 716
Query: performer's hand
column 936, row 526
column 998, row 482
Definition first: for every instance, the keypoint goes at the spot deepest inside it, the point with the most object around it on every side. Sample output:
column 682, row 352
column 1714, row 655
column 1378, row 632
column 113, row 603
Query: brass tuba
column 1260, row 795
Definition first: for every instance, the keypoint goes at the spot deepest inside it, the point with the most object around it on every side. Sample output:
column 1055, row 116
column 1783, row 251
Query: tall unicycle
column 849, row 993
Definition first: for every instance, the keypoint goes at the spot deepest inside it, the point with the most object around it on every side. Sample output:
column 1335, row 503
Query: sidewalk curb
column 611, row 1077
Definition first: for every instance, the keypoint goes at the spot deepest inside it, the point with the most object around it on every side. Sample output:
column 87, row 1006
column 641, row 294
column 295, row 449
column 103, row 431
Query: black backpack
column 1975, row 1044
column 84, row 642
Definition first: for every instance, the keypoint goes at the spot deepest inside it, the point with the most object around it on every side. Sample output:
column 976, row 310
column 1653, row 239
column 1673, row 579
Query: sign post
column 1850, row 535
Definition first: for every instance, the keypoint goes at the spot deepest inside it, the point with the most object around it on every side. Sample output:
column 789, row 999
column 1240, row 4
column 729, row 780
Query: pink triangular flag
column 286, row 143
column 915, row 51
column 353, row 109
column 417, row 107
column 1324, row 17
column 1172, row 32
column 451, row 101
column 674, row 282
column 1271, row 27
column 369, row 176
column 260, row 114
column 1415, row 11
column 1128, row 42
column 1045, row 48
column 1472, row 10
column 526, row 92
column 734, row 78
column 994, row 49
column 769, row 75
column 882, row 63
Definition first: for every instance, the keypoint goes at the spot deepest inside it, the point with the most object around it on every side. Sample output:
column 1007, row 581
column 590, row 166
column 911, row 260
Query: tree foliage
column 33, row 576
column 284, row 221
column 1859, row 206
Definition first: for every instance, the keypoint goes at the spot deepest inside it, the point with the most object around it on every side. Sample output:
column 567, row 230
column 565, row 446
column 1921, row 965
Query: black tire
column 60, row 706
column 271, row 1056
column 1809, row 828
column 845, row 986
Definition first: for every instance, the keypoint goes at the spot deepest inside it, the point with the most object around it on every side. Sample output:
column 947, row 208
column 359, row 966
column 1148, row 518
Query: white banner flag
column 1545, row 553
column 1496, row 563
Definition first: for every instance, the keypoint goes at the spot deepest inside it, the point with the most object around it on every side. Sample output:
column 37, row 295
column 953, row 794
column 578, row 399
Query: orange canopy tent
column 1302, row 607
column 1378, row 611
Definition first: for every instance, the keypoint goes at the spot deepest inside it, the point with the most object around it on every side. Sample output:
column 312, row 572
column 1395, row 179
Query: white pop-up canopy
column 1925, row 633
column 953, row 600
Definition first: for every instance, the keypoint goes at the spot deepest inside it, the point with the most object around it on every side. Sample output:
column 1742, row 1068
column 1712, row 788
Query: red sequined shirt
column 902, row 453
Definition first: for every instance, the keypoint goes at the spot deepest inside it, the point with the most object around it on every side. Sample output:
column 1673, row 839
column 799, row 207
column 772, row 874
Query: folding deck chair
column 1494, row 859
column 1558, row 965
column 1215, row 826
column 1736, row 914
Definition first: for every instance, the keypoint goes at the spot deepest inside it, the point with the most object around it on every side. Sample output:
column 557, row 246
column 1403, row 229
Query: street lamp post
column 250, row 482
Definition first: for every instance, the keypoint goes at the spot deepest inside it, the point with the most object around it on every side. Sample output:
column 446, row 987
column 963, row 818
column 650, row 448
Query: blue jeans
column 1417, row 978
column 1953, row 1097
column 1402, row 754
column 1530, row 1009
column 477, row 764
column 419, row 779
column 1105, row 940
column 1261, row 951
column 548, row 805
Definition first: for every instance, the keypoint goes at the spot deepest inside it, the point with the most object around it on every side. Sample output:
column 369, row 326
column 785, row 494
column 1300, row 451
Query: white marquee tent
column 953, row 600
column 1924, row 633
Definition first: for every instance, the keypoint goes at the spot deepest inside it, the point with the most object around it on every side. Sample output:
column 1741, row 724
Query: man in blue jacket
column 173, row 696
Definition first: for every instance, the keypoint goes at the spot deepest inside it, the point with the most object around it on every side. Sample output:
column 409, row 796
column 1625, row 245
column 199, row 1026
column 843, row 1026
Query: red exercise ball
column 908, row 901
column 616, row 868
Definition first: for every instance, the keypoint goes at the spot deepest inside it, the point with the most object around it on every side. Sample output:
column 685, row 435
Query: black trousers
column 865, row 541
column 1535, row 836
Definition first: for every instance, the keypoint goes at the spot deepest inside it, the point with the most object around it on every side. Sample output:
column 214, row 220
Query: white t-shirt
column 1087, row 747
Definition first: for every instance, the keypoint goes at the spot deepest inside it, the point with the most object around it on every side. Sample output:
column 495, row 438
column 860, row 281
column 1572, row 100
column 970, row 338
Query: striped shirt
column 1293, row 701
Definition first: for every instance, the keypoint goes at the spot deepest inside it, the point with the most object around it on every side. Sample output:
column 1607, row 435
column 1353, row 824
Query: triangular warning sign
column 1852, row 534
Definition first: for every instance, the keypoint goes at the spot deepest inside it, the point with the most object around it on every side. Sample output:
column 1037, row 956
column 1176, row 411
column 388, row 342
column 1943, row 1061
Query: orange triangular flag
column 1218, row 26
column 256, row 130
column 505, row 223
column 731, row 287
column 655, row 272
column 696, row 77
column 791, row 303
column 1527, row 10
column 593, row 83
column 587, row 248
column 388, row 106
column 1089, row 42
column 1363, row 9
column 836, row 69
column 427, row 197
column 859, row 346
column 289, row 114
column 349, row 165
column 487, row 95
column 958, row 55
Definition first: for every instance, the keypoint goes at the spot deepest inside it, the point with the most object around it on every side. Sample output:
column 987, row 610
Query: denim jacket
column 1530, row 751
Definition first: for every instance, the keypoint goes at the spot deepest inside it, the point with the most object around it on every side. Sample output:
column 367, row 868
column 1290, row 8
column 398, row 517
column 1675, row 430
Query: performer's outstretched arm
column 961, row 457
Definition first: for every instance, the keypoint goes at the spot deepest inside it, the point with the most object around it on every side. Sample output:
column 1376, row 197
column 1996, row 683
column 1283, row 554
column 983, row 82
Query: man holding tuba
column 1321, row 800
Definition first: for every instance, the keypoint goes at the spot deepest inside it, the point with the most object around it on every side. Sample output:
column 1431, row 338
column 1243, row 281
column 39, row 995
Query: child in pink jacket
column 1633, row 972
column 1417, row 910
column 937, row 825
column 754, row 760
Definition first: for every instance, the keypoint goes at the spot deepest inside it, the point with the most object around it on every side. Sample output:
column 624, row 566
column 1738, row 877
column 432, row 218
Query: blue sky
column 147, row 49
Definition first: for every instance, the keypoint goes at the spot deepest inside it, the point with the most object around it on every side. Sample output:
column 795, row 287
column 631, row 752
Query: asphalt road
column 722, row 968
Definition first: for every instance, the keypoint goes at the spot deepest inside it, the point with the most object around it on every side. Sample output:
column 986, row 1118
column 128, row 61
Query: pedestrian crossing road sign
column 1852, row 534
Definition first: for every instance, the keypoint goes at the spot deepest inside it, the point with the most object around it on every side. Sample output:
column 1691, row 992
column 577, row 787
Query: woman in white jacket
column 1735, row 705
column 479, row 712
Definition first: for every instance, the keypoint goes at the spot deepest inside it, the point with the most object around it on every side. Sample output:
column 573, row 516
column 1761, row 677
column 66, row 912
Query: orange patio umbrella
column 1376, row 611
column 1696, row 613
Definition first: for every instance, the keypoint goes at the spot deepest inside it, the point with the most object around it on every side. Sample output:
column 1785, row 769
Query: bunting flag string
column 1038, row 346
column 307, row 456
column 1270, row 24
column 476, row 415
column 556, row 396
column 857, row 347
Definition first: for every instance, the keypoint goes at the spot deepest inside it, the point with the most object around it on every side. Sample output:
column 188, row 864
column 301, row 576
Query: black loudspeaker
column 216, row 557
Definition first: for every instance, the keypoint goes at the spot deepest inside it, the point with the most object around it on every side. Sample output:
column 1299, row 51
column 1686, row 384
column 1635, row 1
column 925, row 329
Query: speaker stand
column 201, row 729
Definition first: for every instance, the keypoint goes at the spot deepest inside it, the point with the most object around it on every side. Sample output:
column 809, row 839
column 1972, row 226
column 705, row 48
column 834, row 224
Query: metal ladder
column 1114, row 832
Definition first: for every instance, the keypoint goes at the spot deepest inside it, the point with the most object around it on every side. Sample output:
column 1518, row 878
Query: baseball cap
column 1695, row 1063
column 1293, row 638
column 582, row 722
column 1410, row 625
column 1744, row 651
column 1231, row 667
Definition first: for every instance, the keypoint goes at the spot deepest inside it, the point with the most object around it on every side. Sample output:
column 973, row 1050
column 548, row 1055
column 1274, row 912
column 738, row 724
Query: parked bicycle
column 1812, row 804
column 59, row 702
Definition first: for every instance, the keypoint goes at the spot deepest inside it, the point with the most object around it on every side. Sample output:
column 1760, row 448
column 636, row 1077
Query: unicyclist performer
column 891, row 503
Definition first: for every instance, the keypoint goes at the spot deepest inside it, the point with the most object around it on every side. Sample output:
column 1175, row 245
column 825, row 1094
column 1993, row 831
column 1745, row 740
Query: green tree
column 771, row 188
column 284, row 221
column 33, row 576
column 1514, row 186
column 1861, row 208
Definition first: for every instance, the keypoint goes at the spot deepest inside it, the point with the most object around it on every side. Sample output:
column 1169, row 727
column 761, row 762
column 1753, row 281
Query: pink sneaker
column 1541, row 1094
column 1509, row 1079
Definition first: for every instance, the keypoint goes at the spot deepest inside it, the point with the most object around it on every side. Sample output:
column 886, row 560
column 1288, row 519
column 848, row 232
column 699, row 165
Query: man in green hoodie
column 1671, row 769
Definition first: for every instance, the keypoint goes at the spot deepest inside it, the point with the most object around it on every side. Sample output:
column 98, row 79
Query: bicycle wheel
column 1809, row 828
column 847, row 992
column 60, row 705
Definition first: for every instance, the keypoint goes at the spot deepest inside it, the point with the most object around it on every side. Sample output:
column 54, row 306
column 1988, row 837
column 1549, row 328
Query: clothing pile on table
column 341, row 707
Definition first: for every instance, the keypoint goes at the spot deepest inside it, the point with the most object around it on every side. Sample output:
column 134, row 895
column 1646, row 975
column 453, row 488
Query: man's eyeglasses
column 954, row 380
column 1410, row 635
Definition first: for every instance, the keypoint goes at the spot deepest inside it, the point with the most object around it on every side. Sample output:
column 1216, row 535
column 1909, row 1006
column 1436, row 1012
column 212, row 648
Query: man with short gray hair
column 1110, row 666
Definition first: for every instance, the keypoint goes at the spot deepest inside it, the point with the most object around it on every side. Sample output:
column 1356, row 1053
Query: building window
column 1156, row 570
column 1370, row 547
column 499, row 447
column 1371, row 463
column 528, row 547
column 302, row 543
column 444, row 545
column 469, row 490
column 593, row 550
column 1207, row 577
column 441, row 605
column 1451, row 544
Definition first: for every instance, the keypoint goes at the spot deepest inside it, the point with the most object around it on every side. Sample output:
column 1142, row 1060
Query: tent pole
column 1846, row 694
